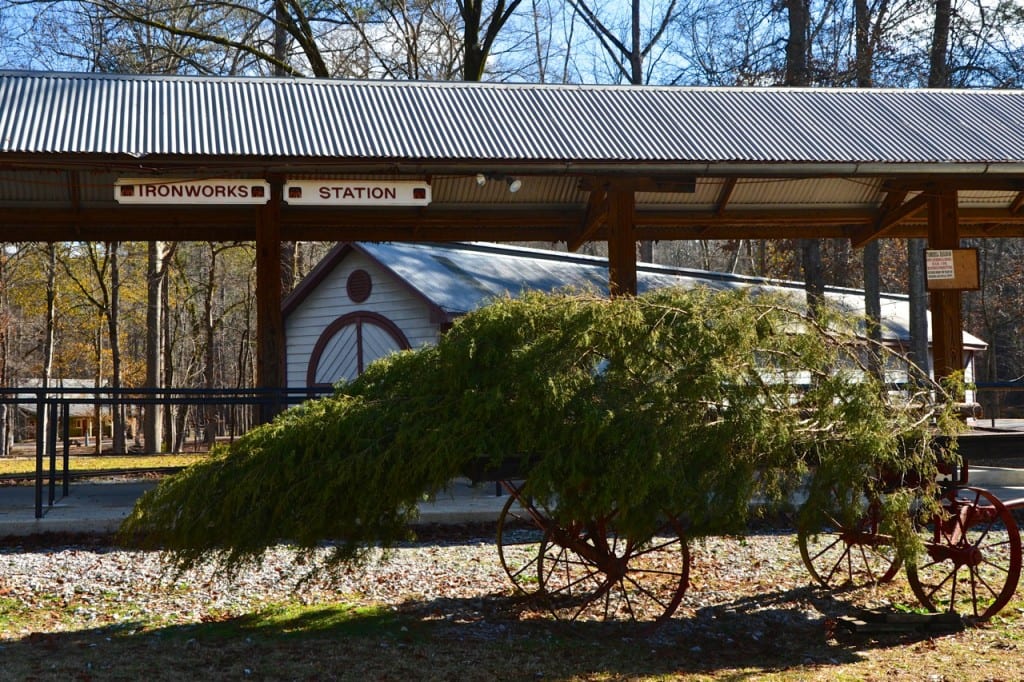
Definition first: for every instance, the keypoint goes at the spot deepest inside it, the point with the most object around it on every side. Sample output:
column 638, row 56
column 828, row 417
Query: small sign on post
column 955, row 269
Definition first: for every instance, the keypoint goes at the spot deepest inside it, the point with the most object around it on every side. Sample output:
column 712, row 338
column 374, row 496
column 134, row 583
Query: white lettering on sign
column 187, row 191
column 357, row 192
column 939, row 264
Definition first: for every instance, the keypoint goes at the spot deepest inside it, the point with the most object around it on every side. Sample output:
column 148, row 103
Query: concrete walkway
column 99, row 507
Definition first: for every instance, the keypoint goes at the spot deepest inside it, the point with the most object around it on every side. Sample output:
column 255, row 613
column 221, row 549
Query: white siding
column 329, row 301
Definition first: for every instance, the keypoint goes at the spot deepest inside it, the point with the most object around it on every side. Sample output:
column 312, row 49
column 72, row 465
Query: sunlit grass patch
column 288, row 619
column 78, row 464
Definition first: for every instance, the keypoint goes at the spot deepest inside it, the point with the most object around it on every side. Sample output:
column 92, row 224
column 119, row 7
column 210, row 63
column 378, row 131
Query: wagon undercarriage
column 589, row 570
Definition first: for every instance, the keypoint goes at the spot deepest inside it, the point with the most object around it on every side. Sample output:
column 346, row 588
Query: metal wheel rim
column 835, row 561
column 942, row 585
column 519, row 544
column 655, row 578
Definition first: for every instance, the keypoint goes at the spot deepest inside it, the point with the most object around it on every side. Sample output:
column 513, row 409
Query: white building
column 365, row 300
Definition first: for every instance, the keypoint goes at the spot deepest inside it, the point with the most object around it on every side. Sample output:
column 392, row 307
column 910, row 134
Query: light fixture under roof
column 514, row 184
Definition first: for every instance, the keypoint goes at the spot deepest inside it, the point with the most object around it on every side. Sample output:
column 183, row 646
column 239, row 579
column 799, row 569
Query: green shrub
column 684, row 402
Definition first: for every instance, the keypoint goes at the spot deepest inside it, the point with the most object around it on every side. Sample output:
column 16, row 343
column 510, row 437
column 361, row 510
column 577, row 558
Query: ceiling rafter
column 596, row 217
column 892, row 214
column 1017, row 203
column 724, row 195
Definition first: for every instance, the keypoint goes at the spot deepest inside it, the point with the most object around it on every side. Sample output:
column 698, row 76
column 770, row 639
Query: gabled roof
column 458, row 278
column 140, row 116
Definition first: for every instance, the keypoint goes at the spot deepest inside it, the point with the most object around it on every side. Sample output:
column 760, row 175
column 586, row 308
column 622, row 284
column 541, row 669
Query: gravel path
column 92, row 584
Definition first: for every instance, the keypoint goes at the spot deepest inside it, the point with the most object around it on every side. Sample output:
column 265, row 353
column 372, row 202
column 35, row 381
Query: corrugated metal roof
column 458, row 278
column 375, row 120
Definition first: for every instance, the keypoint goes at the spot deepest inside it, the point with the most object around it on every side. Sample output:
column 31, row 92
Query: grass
column 84, row 463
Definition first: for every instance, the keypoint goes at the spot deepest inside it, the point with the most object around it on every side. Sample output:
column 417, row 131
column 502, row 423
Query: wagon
column 970, row 561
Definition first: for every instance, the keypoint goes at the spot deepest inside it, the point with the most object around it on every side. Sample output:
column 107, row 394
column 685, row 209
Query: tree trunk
column 938, row 61
column 156, row 281
column 474, row 59
column 210, row 355
column 938, row 76
column 168, row 367
column 797, row 68
column 872, row 250
column 918, row 351
column 113, row 313
column 49, row 337
column 798, row 74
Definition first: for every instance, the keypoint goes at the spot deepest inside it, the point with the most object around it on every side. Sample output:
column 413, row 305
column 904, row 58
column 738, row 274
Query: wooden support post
column 622, row 243
column 269, row 321
column 947, row 322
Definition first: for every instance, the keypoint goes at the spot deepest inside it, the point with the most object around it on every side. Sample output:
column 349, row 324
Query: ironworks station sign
column 316, row 192
column 191, row 191
column 357, row 192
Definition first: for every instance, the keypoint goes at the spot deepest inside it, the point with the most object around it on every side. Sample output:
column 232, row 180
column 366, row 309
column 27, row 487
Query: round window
column 359, row 286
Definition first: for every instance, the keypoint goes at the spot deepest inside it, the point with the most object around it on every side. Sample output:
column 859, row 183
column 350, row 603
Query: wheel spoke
column 973, row 531
column 845, row 548
column 620, row 577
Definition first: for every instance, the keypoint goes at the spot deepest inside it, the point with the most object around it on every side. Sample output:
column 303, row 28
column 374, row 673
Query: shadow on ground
column 488, row 638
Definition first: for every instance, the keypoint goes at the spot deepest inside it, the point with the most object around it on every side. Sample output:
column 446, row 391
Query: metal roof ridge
column 500, row 85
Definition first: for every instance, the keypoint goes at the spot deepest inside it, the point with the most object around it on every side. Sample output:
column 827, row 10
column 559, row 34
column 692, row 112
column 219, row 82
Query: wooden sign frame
column 951, row 269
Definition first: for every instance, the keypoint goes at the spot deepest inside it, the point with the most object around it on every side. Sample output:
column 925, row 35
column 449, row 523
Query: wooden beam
column 172, row 223
column 767, row 231
column 664, row 217
column 947, row 323
column 75, row 195
column 724, row 195
column 891, row 217
column 621, row 244
column 270, row 365
column 596, row 218
column 983, row 183
column 650, row 183
column 1017, row 203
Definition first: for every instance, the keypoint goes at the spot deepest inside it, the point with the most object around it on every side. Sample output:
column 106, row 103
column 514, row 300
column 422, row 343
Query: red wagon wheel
column 849, row 551
column 521, row 527
column 973, row 556
column 588, row 571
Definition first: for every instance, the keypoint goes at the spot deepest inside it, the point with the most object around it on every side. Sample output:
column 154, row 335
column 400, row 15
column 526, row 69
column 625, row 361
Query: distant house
column 365, row 300
column 81, row 413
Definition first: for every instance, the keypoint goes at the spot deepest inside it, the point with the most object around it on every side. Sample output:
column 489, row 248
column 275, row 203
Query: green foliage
column 682, row 402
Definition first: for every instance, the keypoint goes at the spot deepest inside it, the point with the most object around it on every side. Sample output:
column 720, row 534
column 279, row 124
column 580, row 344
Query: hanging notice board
column 951, row 269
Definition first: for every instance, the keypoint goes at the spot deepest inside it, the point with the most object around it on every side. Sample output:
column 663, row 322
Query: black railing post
column 54, row 404
column 40, row 433
column 54, row 414
column 66, row 433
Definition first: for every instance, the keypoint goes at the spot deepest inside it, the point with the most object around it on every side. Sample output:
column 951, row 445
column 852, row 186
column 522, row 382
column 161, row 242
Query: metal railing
column 53, row 412
column 992, row 396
